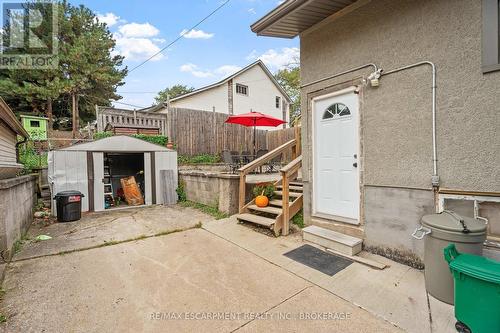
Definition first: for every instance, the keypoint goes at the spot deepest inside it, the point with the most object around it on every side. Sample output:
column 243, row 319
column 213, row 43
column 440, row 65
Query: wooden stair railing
column 288, row 174
column 248, row 168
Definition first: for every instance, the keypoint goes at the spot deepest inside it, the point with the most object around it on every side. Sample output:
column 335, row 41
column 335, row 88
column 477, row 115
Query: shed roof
column 293, row 17
column 10, row 119
column 118, row 143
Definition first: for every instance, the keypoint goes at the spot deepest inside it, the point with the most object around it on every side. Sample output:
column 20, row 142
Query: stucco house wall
column 396, row 123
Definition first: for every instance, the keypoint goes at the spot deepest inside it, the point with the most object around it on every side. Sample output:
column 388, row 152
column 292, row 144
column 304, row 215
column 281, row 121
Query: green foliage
column 289, row 79
column 181, row 193
column 172, row 92
column 29, row 157
column 199, row 159
column 298, row 219
column 266, row 189
column 102, row 135
column 3, row 318
column 213, row 211
column 156, row 139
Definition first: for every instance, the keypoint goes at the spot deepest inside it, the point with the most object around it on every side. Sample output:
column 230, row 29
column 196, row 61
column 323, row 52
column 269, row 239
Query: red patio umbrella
column 254, row 119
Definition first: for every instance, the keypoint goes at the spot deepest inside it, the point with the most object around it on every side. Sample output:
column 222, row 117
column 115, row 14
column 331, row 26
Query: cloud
column 138, row 30
column 109, row 18
column 136, row 49
column 196, row 34
column 222, row 71
column 227, row 70
column 135, row 41
column 252, row 11
column 277, row 59
column 195, row 71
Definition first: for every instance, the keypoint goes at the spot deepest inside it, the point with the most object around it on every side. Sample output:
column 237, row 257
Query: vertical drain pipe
column 435, row 176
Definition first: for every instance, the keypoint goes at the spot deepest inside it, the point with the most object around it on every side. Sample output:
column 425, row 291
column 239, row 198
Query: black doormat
column 320, row 260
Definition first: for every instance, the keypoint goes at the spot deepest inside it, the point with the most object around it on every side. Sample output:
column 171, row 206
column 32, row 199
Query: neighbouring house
column 400, row 113
column 18, row 192
column 96, row 168
column 10, row 129
column 252, row 88
column 128, row 122
column 37, row 127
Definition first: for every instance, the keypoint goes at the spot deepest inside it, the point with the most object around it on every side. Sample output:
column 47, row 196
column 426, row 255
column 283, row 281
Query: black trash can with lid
column 69, row 206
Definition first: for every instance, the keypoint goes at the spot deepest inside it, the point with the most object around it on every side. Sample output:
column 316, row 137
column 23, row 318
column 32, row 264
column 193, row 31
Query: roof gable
column 118, row 143
column 238, row 73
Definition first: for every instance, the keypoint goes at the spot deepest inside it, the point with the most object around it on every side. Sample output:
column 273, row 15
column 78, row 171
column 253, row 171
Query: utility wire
column 182, row 35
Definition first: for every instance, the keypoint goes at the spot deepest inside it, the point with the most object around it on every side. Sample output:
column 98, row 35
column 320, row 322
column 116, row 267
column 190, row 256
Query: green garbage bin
column 477, row 291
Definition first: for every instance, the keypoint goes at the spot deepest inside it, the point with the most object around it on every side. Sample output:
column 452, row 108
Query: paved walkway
column 186, row 281
column 396, row 294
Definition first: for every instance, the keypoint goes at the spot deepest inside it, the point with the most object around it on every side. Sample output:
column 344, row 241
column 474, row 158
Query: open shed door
column 165, row 182
column 98, row 181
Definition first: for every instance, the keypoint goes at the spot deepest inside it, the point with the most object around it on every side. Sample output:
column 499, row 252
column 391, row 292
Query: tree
column 172, row 92
column 87, row 71
column 289, row 79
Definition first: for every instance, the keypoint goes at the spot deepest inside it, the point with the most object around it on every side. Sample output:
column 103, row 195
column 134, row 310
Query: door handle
column 355, row 164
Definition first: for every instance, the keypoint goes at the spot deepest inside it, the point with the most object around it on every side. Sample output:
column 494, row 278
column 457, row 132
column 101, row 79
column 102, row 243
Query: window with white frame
column 491, row 35
column 241, row 89
column 278, row 102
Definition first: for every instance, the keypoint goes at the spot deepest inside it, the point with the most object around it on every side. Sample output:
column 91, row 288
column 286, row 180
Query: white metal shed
column 82, row 168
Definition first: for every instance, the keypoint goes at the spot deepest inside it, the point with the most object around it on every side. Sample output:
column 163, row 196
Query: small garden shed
column 36, row 127
column 97, row 168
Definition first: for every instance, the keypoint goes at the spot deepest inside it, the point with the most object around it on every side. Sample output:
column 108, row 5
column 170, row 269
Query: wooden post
column 74, row 112
column 286, row 204
column 242, row 196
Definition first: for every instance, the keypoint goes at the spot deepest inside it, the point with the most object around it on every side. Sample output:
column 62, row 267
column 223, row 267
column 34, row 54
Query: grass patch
column 212, row 211
column 199, row 159
column 3, row 318
column 298, row 219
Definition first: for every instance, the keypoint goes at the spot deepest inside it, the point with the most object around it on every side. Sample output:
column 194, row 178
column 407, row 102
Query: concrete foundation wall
column 213, row 189
column 392, row 214
column 17, row 200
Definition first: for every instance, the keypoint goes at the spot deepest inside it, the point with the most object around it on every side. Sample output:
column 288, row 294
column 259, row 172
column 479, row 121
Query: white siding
column 216, row 97
column 261, row 97
column 7, row 145
column 262, row 93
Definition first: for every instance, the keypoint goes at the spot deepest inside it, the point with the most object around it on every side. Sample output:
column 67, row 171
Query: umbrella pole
column 254, row 129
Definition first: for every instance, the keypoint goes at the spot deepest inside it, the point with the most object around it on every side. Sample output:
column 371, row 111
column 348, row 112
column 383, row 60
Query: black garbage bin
column 69, row 206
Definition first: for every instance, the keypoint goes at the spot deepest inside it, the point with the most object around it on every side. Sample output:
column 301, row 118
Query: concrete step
column 268, row 209
column 291, row 188
column 264, row 221
column 332, row 240
column 291, row 194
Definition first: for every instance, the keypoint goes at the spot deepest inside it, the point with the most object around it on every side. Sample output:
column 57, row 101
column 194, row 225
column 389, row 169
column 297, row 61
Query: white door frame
column 352, row 89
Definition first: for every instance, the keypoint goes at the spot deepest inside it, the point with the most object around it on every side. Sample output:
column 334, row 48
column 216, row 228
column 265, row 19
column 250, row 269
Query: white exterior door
column 98, row 181
column 336, row 180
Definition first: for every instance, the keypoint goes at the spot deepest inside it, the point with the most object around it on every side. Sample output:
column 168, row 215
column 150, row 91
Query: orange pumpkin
column 261, row 201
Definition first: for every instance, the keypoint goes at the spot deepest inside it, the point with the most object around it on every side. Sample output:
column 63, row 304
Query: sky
column 218, row 47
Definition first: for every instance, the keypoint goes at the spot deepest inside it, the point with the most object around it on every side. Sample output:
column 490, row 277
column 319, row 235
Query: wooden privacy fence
column 196, row 132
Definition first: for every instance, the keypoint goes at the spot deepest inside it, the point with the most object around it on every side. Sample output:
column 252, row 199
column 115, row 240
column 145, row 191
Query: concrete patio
column 151, row 276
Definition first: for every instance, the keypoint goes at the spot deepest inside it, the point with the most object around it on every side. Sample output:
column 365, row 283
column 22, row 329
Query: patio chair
column 260, row 153
column 228, row 159
column 274, row 165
